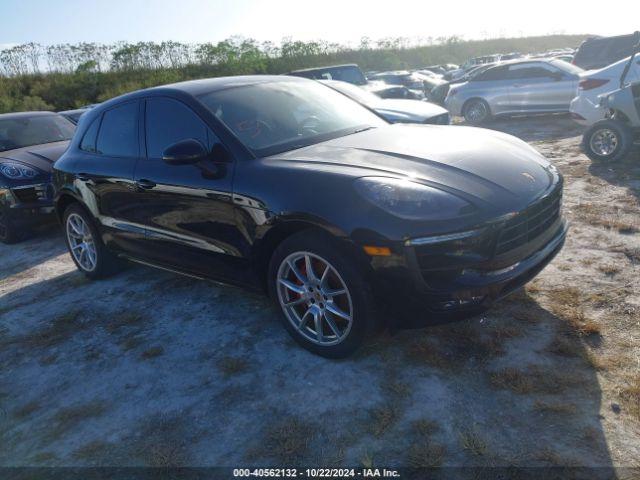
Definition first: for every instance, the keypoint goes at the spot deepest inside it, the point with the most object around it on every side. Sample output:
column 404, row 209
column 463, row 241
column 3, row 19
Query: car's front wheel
column 326, row 302
column 608, row 141
column 85, row 245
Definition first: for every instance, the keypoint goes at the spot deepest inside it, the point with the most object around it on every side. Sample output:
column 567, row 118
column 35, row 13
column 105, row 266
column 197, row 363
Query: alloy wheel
column 314, row 298
column 81, row 242
column 476, row 112
column 604, row 142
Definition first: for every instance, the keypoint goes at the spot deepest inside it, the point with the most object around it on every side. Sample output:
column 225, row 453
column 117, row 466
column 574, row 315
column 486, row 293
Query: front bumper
column 419, row 297
column 27, row 205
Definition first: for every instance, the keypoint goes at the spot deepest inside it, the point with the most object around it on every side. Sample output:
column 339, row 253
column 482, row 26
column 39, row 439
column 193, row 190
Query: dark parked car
column 29, row 144
column 283, row 184
column 599, row 52
column 394, row 111
column 74, row 115
column 346, row 73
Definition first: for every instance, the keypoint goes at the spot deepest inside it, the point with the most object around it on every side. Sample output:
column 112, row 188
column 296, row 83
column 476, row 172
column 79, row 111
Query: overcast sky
column 192, row 21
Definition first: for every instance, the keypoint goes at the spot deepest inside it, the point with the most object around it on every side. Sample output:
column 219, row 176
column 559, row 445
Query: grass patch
column 555, row 408
column 27, row 409
column 288, row 441
column 425, row 427
column 152, row 352
column 122, row 320
column 59, row 330
column 91, row 450
column 425, row 454
column 471, row 441
column 630, row 395
column 131, row 342
column 230, row 366
column 67, row 418
column 382, row 419
column 609, row 269
column 533, row 380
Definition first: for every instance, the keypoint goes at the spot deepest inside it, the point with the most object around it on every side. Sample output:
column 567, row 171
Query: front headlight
column 17, row 171
column 411, row 200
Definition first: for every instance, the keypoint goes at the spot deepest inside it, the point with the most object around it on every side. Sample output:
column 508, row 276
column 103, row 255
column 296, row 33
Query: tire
column 104, row 262
column 476, row 111
column 345, row 335
column 607, row 141
column 8, row 232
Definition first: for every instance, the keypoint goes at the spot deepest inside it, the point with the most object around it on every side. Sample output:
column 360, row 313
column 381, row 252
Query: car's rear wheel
column 608, row 141
column 85, row 245
column 326, row 302
column 476, row 111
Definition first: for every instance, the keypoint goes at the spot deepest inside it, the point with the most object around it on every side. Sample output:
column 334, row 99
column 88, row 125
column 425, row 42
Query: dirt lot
column 149, row 368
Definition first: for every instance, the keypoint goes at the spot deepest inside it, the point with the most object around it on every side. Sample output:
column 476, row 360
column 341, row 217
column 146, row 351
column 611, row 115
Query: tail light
column 591, row 83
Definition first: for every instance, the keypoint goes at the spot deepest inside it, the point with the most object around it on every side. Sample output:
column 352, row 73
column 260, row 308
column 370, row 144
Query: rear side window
column 169, row 121
column 88, row 143
column 525, row 71
column 495, row 73
column 118, row 135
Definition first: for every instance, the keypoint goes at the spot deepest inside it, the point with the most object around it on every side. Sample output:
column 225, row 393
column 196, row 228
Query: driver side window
column 169, row 121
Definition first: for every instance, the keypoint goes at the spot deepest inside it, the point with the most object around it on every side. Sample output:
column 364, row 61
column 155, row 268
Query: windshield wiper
column 363, row 129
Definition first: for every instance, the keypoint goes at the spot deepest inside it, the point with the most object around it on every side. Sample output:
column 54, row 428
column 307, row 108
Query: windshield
column 278, row 116
column 358, row 94
column 25, row 131
column 567, row 67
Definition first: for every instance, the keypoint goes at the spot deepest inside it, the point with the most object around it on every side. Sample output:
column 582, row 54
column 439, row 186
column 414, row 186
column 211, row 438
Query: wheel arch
column 265, row 247
column 472, row 99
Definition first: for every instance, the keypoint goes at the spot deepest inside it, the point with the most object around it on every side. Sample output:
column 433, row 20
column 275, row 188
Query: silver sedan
column 518, row 87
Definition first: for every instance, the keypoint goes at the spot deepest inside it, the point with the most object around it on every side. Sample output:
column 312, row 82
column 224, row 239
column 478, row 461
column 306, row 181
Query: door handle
column 145, row 184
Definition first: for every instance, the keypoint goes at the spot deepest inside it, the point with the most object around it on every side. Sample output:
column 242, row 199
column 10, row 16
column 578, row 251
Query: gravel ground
column 153, row 369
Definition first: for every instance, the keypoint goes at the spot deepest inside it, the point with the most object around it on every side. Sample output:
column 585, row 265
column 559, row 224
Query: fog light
column 377, row 251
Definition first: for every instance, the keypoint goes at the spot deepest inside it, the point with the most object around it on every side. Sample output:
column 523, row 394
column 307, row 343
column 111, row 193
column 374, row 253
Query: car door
column 104, row 174
column 187, row 209
column 541, row 87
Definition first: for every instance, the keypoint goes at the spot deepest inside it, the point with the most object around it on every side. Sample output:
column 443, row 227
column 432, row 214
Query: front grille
column 32, row 194
column 530, row 223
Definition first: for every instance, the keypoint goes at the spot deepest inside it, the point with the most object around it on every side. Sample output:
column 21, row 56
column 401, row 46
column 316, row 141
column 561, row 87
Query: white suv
column 585, row 108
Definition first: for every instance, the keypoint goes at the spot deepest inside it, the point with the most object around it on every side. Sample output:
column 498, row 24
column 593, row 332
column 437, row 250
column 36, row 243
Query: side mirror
column 185, row 152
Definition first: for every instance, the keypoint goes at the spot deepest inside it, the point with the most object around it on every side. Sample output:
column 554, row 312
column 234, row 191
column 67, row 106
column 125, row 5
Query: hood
column 408, row 110
column 41, row 157
column 473, row 162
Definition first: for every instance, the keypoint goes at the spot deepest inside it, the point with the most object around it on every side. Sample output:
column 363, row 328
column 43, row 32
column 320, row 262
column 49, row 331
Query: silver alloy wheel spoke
column 332, row 325
column 335, row 293
column 309, row 268
column 292, row 286
column 81, row 242
column 317, row 322
column 296, row 271
column 336, row 311
column 316, row 290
